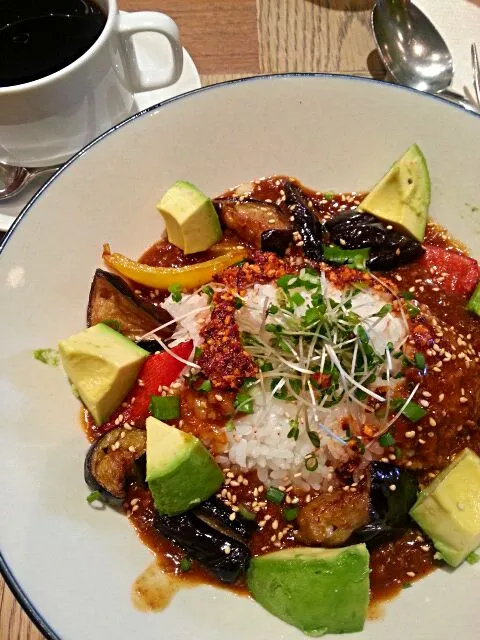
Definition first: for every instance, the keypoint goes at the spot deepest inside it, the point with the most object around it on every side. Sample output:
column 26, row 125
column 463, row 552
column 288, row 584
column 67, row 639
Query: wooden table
column 236, row 38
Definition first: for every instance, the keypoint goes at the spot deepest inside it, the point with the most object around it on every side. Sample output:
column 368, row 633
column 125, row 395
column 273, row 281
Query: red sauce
column 396, row 564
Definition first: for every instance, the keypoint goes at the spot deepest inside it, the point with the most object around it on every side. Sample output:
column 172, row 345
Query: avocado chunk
column 190, row 217
column 102, row 365
column 181, row 473
column 317, row 590
column 448, row 510
column 402, row 196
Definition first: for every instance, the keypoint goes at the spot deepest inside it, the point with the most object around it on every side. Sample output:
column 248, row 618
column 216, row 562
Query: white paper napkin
column 458, row 21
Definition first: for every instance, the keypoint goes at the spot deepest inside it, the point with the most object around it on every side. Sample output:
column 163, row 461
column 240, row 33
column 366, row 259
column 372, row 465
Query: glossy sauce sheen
column 394, row 565
column 40, row 37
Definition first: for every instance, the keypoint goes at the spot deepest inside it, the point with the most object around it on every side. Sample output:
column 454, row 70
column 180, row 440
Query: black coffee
column 39, row 37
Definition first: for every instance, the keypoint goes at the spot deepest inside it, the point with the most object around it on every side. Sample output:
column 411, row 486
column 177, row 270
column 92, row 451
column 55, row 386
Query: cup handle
column 151, row 21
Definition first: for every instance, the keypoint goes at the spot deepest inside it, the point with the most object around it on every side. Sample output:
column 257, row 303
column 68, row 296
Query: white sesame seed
column 393, row 487
column 411, row 574
column 410, row 434
column 463, row 399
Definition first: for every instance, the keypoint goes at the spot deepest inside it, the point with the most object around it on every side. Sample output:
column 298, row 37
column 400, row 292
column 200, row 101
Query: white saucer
column 148, row 48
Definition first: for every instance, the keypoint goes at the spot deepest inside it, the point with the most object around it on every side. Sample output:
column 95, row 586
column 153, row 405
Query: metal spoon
column 15, row 179
column 412, row 50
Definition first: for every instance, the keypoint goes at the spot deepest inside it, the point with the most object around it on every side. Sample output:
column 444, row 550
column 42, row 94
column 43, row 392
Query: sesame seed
column 411, row 574
column 425, row 547
column 232, row 516
column 135, row 508
column 432, row 422
column 134, row 501
column 410, row 434
column 460, row 506
column 227, row 549
column 424, row 403
column 427, row 394
column 393, row 487
column 131, row 449
column 218, row 397
column 463, row 399
column 275, row 525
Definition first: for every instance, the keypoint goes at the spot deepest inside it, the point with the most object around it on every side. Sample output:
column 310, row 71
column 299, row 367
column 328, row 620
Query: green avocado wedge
column 402, row 197
column 190, row 217
column 181, row 473
column 448, row 510
column 103, row 365
column 317, row 590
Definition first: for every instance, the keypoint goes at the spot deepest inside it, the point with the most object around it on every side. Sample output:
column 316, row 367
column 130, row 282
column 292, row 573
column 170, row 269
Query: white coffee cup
column 46, row 121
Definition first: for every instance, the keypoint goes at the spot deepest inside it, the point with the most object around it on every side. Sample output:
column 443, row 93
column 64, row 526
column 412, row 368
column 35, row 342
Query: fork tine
column 476, row 72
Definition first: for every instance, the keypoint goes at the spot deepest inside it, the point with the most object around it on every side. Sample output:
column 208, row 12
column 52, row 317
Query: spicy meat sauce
column 449, row 338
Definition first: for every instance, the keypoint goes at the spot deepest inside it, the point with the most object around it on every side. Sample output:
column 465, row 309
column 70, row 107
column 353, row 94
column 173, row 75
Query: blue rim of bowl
column 5, row 570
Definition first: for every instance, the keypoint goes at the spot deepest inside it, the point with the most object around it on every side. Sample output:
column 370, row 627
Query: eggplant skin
column 252, row 219
column 111, row 299
column 276, row 241
column 388, row 510
column 206, row 545
column 388, row 248
column 305, row 222
column 213, row 510
column 106, row 470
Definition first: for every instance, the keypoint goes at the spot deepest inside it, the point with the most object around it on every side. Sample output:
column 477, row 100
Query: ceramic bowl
column 73, row 567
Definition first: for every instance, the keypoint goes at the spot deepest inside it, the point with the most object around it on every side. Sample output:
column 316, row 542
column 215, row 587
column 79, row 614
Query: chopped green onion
column 412, row 310
column 238, row 303
column 287, row 281
column 197, row 353
column 294, row 430
column 329, row 195
column 420, row 361
column 407, row 295
column 473, row 558
column 185, row 564
column 412, row 411
column 165, row 407
column 311, row 462
column 113, row 324
column 272, row 310
column 314, row 438
column 356, row 258
column 205, row 386
column 243, row 403
column 275, row 495
column 47, row 356
column 245, row 512
column 297, row 299
column 290, row 513
column 474, row 302
column 247, row 383
column 390, row 346
column 176, row 291
column 386, row 440
column 398, row 453
column 94, row 496
column 406, row 585
column 229, row 425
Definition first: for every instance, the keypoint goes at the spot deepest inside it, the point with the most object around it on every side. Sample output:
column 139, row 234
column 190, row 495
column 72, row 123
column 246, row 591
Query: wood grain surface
column 236, row 38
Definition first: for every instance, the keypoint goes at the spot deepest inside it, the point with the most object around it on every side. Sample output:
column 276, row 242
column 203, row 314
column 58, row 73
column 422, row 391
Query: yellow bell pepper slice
column 189, row 277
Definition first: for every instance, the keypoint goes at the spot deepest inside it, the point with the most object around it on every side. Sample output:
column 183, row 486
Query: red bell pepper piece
column 462, row 272
column 160, row 369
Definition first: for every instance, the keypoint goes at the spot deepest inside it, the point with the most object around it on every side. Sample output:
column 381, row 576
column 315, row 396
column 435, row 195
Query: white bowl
column 73, row 567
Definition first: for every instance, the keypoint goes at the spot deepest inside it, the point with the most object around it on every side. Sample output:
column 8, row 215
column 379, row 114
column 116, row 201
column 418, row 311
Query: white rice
column 259, row 441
